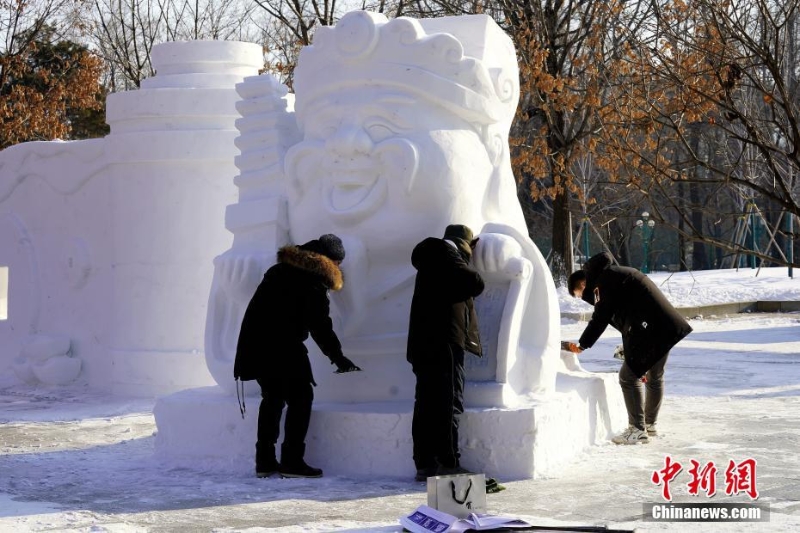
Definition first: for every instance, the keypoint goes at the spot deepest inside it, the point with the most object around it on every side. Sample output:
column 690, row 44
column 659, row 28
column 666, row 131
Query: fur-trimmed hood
column 314, row 263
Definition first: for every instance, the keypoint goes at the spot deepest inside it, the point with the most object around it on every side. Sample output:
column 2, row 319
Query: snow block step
column 204, row 427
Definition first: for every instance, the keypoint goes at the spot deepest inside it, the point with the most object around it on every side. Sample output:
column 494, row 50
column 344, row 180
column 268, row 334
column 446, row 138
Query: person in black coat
column 650, row 327
column 443, row 325
column 291, row 302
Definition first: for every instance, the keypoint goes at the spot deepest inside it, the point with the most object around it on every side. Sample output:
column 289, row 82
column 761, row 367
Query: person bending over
column 650, row 326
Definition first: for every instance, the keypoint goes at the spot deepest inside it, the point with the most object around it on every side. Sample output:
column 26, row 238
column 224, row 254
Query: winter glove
column 343, row 364
column 571, row 347
column 619, row 353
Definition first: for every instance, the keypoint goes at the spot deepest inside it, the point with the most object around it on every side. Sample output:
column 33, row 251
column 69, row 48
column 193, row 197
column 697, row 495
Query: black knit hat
column 328, row 245
column 461, row 236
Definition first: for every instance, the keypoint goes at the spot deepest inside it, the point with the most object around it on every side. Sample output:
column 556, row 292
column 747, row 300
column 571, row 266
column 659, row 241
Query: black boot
column 424, row 473
column 452, row 470
column 266, row 464
column 293, row 465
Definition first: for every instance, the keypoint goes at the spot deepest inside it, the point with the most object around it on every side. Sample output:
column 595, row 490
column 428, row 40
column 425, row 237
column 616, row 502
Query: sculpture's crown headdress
column 365, row 48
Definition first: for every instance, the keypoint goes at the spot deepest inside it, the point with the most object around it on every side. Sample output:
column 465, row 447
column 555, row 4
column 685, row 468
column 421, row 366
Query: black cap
column 328, row 245
column 575, row 278
column 461, row 236
column 458, row 231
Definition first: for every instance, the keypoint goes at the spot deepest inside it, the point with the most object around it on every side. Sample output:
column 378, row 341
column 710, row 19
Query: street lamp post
column 646, row 224
column 790, row 242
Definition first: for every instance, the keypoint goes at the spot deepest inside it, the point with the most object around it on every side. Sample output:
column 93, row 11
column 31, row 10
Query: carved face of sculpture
column 386, row 166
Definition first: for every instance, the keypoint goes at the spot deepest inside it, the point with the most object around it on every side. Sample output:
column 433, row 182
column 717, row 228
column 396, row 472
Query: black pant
column 643, row 408
column 297, row 396
column 439, row 399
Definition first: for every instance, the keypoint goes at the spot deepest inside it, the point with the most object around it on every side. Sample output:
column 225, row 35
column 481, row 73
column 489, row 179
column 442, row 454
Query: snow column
column 258, row 221
column 171, row 165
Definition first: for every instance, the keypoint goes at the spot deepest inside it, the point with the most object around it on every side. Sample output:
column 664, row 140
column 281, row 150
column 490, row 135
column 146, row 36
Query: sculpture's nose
column 348, row 139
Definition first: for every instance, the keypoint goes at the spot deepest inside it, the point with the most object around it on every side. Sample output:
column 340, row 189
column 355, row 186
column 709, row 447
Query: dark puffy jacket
column 291, row 302
column 631, row 303
column 442, row 309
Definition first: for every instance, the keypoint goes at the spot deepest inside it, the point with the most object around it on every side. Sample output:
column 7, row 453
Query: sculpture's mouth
column 353, row 192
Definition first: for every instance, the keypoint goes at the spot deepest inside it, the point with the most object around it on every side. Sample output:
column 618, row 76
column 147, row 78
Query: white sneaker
column 651, row 430
column 631, row 436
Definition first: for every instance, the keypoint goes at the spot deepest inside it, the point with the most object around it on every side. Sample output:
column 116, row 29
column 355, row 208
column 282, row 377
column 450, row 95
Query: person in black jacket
column 443, row 324
column 291, row 302
column 650, row 327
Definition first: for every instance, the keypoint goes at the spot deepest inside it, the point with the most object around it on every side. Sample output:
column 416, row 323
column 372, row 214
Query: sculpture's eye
column 327, row 131
column 379, row 132
column 322, row 129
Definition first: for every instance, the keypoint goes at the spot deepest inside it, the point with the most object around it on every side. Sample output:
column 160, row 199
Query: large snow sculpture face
column 384, row 166
column 403, row 133
column 402, row 130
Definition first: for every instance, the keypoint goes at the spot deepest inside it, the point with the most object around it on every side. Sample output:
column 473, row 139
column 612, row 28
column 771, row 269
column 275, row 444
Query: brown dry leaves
column 35, row 100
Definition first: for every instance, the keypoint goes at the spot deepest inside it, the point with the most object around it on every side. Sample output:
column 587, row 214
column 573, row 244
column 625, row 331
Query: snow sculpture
column 402, row 129
column 173, row 138
column 106, row 245
column 396, row 129
column 257, row 221
column 47, row 359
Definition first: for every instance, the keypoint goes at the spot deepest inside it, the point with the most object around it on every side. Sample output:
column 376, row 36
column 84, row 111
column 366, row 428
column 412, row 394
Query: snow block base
column 535, row 439
column 132, row 372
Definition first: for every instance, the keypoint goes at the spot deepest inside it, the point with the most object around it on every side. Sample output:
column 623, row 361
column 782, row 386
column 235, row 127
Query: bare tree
column 719, row 80
column 21, row 22
column 125, row 31
column 288, row 25
column 208, row 19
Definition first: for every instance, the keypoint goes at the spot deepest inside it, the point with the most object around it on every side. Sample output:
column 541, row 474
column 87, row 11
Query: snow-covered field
column 76, row 460
column 708, row 287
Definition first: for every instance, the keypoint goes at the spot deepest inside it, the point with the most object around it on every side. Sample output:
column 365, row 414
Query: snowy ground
column 707, row 287
column 76, row 460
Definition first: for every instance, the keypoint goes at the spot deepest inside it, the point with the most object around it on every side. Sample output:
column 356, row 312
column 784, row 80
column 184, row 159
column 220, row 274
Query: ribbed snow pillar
column 171, row 152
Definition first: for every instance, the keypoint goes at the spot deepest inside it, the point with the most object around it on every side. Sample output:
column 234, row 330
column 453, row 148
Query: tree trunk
column 699, row 256
column 684, row 262
column 561, row 259
column 621, row 241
